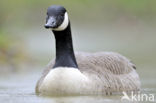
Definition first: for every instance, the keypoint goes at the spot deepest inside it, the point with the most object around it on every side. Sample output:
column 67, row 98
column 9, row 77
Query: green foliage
column 5, row 40
column 24, row 14
column 12, row 52
column 30, row 12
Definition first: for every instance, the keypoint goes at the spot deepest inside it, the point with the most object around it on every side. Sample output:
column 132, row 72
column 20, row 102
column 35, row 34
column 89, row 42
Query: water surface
column 20, row 88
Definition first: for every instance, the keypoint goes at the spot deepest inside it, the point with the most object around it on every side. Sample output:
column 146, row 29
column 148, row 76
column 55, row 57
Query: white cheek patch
column 64, row 23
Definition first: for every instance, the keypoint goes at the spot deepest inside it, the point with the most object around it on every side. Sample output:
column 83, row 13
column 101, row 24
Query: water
column 19, row 87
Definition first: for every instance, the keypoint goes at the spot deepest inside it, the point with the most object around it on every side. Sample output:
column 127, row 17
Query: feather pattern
column 108, row 72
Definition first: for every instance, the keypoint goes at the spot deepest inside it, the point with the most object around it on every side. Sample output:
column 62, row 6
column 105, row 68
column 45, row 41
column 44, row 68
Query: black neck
column 64, row 49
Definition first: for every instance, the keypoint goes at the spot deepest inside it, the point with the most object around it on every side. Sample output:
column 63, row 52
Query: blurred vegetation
column 12, row 52
column 22, row 12
column 18, row 18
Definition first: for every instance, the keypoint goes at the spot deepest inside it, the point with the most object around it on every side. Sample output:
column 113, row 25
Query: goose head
column 57, row 18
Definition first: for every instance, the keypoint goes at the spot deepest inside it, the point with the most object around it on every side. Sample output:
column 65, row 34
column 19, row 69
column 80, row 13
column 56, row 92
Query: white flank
column 64, row 80
column 64, row 23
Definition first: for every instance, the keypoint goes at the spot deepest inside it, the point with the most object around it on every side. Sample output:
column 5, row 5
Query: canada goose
column 82, row 73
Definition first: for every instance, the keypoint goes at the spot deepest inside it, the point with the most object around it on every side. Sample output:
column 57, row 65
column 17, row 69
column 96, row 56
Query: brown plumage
column 109, row 72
